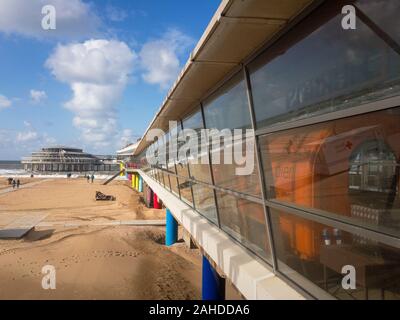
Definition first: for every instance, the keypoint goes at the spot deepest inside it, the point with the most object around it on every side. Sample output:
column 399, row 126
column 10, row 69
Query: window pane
column 320, row 67
column 201, row 169
column 228, row 175
column 385, row 13
column 319, row 252
column 184, row 184
column 245, row 221
column 228, row 108
column 348, row 167
column 230, row 111
column 167, row 182
column 204, row 200
column 185, row 188
column 174, row 185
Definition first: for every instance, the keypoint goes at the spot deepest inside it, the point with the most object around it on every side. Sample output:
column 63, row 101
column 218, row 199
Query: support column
column 213, row 286
column 140, row 184
column 156, row 205
column 171, row 232
column 150, row 198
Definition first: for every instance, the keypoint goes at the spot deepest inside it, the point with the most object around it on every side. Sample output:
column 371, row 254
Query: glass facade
column 245, row 221
column 319, row 252
column 329, row 197
column 199, row 169
column 227, row 110
column 347, row 167
column 324, row 68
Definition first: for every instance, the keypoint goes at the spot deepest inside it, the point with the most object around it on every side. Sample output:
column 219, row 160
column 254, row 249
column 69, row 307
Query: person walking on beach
column 87, row 178
column 18, row 184
column 14, row 183
column 92, row 178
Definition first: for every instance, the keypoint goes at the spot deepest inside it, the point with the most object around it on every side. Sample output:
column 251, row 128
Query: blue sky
column 96, row 81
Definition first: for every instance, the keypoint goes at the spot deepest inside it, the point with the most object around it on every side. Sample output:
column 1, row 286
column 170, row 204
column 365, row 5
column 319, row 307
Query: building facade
column 64, row 159
column 323, row 102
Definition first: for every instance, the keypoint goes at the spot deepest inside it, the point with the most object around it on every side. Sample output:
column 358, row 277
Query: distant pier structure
column 66, row 159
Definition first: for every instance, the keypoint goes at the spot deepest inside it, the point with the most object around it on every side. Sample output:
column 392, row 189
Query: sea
column 11, row 167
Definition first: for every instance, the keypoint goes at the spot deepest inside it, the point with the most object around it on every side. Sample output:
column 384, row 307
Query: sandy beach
column 92, row 261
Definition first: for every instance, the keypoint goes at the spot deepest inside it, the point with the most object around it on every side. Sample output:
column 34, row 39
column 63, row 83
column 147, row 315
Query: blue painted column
column 140, row 184
column 213, row 286
column 171, row 235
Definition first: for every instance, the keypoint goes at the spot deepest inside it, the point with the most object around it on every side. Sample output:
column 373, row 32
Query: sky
column 97, row 79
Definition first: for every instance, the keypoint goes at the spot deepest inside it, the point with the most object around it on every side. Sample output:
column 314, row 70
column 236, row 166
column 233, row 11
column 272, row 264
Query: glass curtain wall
column 199, row 167
column 331, row 182
column 346, row 169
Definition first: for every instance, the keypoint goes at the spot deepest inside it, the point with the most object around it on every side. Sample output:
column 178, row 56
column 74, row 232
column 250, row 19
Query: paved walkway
column 20, row 225
column 77, row 223
column 23, row 186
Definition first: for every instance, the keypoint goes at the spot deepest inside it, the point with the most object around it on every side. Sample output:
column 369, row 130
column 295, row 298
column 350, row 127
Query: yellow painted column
column 133, row 180
column 137, row 182
column 121, row 167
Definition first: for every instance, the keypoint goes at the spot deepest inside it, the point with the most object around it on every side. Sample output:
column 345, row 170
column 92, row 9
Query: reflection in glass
column 348, row 167
column 204, row 201
column 319, row 252
column 320, row 67
column 245, row 221
column 229, row 110
column 385, row 13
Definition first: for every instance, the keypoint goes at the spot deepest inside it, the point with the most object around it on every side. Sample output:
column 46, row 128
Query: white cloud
column 38, row 96
column 160, row 58
column 18, row 143
column 115, row 14
column 4, row 102
column 74, row 18
column 126, row 138
column 97, row 72
column 27, row 136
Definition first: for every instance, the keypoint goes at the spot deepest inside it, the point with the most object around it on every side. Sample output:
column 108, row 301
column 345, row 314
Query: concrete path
column 77, row 223
column 21, row 225
column 23, row 186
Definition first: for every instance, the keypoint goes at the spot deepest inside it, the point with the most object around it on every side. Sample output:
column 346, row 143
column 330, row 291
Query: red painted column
column 156, row 205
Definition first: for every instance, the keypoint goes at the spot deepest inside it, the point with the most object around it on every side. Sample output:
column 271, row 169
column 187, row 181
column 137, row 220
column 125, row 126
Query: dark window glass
column 319, row 252
column 384, row 13
column 245, row 221
column 319, row 67
column 348, row 167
